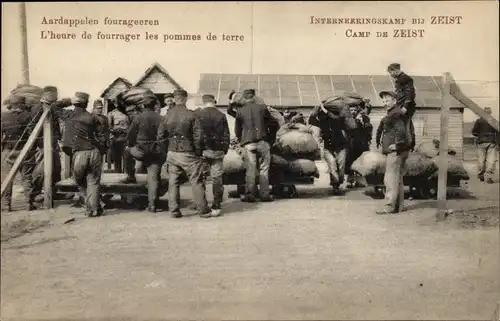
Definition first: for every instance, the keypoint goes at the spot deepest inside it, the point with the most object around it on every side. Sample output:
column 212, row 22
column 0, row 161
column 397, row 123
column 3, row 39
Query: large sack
column 233, row 162
column 419, row 165
column 238, row 99
column 455, row 168
column 25, row 89
column 431, row 149
column 303, row 167
column 277, row 116
column 369, row 163
column 135, row 95
column 297, row 143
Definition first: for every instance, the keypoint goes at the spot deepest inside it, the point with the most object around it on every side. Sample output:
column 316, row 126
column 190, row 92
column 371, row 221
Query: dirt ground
column 314, row 257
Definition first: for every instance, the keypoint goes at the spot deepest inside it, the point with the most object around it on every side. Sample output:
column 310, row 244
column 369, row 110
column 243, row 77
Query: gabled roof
column 158, row 67
column 119, row 79
column 308, row 90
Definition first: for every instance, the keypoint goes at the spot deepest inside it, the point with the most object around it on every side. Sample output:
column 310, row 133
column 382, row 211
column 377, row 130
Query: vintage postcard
column 250, row 160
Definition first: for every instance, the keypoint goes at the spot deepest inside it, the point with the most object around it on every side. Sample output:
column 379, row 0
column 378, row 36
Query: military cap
column 169, row 95
column 394, row 66
column 387, row 93
column 81, row 97
column 98, row 103
column 180, row 92
column 249, row 93
column 17, row 100
column 49, row 94
column 208, row 98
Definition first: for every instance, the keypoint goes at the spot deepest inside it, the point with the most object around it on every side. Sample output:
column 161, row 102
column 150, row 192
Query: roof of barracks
column 306, row 90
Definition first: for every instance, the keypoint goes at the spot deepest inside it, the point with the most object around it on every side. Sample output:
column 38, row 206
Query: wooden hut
column 109, row 94
column 302, row 92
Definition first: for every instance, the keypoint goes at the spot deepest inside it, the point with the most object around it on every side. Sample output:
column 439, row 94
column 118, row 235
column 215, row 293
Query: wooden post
column 24, row 43
column 29, row 144
column 48, row 161
column 443, row 149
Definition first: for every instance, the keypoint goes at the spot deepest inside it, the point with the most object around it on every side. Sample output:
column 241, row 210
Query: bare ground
column 315, row 257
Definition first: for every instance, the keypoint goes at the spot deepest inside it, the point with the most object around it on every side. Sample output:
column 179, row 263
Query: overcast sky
column 283, row 42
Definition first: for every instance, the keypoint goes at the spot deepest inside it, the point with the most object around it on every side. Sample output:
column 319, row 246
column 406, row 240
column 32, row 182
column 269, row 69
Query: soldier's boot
column 31, row 206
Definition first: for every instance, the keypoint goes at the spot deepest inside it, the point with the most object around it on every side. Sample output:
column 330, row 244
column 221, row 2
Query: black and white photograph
column 267, row 160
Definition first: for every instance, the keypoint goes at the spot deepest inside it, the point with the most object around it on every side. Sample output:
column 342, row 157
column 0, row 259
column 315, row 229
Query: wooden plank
column 443, row 150
column 67, row 166
column 48, row 159
column 24, row 151
column 476, row 109
column 300, row 93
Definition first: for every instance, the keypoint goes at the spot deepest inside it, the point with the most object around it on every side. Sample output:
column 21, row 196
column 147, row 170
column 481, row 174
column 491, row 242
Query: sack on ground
column 297, row 143
column 418, row 164
column 431, row 149
column 455, row 168
column 303, row 167
column 233, row 162
column 369, row 163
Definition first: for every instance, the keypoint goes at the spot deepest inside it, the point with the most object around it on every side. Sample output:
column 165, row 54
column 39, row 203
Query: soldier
column 254, row 128
column 395, row 143
column 169, row 104
column 119, row 124
column 332, row 126
column 98, row 111
column 49, row 97
column 85, row 141
column 181, row 135
column 215, row 131
column 487, row 147
column 405, row 97
column 143, row 146
column 16, row 128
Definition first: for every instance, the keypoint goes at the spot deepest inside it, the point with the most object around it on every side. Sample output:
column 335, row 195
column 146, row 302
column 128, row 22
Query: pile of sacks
column 31, row 94
column 455, row 166
column 431, row 149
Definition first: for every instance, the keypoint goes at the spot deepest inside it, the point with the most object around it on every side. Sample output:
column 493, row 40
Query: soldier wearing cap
column 393, row 138
column 50, row 97
column 118, row 123
column 216, row 137
column 487, row 139
column 85, row 140
column 142, row 145
column 255, row 130
column 333, row 122
column 405, row 95
column 181, row 135
column 169, row 104
column 16, row 129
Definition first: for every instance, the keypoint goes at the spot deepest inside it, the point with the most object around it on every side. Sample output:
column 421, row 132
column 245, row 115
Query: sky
column 278, row 38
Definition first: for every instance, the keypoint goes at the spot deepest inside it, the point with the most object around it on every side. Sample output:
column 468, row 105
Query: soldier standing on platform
column 85, row 141
column 143, row 146
column 181, row 135
column 16, row 129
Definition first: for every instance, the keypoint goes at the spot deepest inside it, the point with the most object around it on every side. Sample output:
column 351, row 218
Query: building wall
column 113, row 91
column 158, row 83
column 426, row 123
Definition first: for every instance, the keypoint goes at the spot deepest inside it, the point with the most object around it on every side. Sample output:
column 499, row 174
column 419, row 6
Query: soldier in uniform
column 182, row 136
column 215, row 131
column 85, row 141
column 143, row 146
column 16, row 128
column 169, row 103
column 118, row 123
column 405, row 98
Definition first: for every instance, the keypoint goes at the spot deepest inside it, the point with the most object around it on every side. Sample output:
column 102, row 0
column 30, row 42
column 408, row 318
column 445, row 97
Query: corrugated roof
column 307, row 90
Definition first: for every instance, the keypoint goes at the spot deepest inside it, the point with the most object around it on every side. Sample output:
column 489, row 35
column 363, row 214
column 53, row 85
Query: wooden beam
column 48, row 161
column 475, row 108
column 443, row 149
column 24, row 43
column 22, row 155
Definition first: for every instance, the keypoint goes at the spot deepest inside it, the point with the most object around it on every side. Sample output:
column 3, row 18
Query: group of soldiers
column 192, row 143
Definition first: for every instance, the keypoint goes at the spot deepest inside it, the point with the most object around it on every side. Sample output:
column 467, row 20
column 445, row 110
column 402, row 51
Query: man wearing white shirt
column 169, row 103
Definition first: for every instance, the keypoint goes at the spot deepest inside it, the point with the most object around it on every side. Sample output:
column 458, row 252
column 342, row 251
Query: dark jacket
column 360, row 137
column 254, row 123
column 16, row 126
column 84, row 131
column 332, row 126
column 215, row 129
column 392, row 131
column 484, row 132
column 143, row 132
column 180, row 131
column 405, row 93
